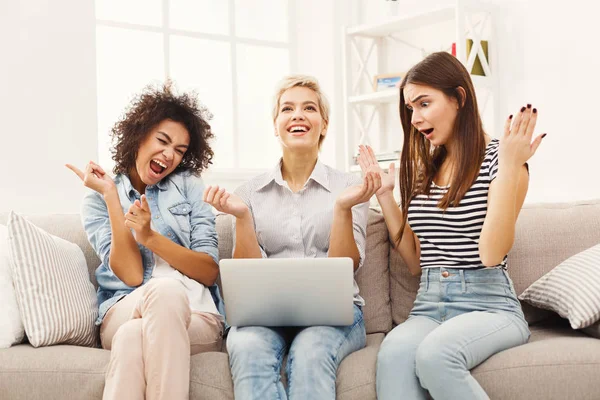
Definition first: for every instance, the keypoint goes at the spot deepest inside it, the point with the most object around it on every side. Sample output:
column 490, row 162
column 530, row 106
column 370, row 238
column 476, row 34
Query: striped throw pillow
column 571, row 289
column 57, row 301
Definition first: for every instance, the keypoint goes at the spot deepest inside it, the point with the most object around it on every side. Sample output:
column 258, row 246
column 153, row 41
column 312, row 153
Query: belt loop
column 462, row 280
column 426, row 271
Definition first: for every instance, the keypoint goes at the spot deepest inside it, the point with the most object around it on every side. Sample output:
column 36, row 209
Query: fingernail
column 522, row 109
column 510, row 116
column 528, row 105
column 535, row 110
column 544, row 135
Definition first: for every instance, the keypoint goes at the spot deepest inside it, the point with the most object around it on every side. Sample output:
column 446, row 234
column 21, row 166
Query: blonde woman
column 301, row 208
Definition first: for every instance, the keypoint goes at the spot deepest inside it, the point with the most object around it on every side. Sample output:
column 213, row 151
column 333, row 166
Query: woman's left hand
column 516, row 146
column 360, row 193
column 138, row 218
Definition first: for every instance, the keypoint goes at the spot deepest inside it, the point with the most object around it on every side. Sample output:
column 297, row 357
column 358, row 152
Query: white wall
column 546, row 56
column 48, row 97
column 47, row 103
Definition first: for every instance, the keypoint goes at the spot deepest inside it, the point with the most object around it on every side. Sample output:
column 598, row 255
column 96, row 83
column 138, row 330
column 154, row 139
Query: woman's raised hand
column 94, row 177
column 225, row 202
column 368, row 163
column 358, row 194
column 516, row 146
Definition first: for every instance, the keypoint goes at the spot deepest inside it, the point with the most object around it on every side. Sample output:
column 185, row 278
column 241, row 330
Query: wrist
column 342, row 209
column 388, row 194
column 244, row 216
column 150, row 240
column 110, row 194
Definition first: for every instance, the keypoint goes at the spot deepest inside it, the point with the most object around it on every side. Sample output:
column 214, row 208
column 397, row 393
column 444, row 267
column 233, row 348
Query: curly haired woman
column 157, row 242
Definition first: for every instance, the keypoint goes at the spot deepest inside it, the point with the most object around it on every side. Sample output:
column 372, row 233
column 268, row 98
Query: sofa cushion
column 210, row 377
column 572, row 289
column 557, row 363
column 403, row 288
column 372, row 278
column 52, row 373
column 11, row 327
column 57, row 302
column 356, row 374
column 546, row 235
column 68, row 227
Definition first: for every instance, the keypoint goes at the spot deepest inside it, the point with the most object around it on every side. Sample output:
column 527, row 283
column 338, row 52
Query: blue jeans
column 459, row 319
column 256, row 354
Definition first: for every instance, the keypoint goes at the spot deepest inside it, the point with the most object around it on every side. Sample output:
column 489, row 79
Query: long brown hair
column 420, row 161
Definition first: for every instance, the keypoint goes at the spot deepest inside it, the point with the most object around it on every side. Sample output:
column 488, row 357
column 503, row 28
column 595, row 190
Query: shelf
column 383, row 97
column 405, row 23
column 383, row 164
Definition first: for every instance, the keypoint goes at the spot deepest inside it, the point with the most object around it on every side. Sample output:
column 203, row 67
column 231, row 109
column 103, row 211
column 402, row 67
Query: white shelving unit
column 365, row 45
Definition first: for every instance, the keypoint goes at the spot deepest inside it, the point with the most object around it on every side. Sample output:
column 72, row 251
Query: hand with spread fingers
column 516, row 146
column 138, row 218
column 358, row 194
column 368, row 163
column 94, row 178
column 225, row 202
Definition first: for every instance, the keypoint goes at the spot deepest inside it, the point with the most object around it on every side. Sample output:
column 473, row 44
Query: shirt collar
column 319, row 175
column 131, row 191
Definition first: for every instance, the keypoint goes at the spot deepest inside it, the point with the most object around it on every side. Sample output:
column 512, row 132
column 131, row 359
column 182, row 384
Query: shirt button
column 445, row 274
column 170, row 234
column 157, row 217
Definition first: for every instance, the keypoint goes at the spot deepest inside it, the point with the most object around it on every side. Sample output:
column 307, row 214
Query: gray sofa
column 557, row 363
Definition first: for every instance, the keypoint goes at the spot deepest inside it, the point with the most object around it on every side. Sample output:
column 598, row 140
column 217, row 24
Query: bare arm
column 198, row 266
column 409, row 247
column 246, row 244
column 342, row 242
column 124, row 257
column 507, row 192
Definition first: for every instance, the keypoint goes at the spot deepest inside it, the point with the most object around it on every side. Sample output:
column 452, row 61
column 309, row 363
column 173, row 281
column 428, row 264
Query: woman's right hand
column 94, row 178
column 368, row 163
column 225, row 202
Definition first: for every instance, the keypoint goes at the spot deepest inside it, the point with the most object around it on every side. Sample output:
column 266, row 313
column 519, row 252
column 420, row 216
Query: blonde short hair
column 306, row 81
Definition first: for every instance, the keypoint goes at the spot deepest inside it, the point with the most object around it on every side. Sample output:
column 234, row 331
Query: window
column 231, row 52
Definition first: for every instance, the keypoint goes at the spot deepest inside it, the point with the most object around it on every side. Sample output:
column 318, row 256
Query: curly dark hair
column 149, row 108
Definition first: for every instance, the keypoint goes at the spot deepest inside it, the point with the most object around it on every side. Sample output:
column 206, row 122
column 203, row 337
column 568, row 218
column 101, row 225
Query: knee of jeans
column 251, row 348
column 128, row 339
column 311, row 348
column 166, row 292
column 429, row 357
column 394, row 350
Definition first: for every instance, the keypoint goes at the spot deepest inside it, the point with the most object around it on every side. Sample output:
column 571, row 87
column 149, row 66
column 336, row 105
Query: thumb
column 536, row 143
column 392, row 169
column 145, row 205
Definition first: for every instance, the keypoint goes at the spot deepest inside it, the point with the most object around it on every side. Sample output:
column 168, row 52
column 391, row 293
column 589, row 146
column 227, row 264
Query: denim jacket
column 178, row 213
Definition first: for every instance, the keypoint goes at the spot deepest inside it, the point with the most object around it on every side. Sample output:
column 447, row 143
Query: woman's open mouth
column 427, row 132
column 157, row 168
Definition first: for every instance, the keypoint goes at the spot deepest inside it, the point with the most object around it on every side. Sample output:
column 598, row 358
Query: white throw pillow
column 571, row 289
column 56, row 299
column 11, row 327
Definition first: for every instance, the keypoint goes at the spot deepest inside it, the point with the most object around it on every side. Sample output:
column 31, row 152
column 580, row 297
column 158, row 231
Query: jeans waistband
column 484, row 275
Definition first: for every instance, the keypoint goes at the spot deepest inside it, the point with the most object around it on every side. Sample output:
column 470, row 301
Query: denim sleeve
column 96, row 223
column 202, row 220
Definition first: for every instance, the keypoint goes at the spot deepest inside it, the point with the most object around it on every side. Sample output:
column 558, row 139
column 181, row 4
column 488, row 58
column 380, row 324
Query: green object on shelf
column 477, row 67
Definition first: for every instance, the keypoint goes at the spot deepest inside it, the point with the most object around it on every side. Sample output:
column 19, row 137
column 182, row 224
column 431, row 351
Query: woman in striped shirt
column 301, row 208
column 461, row 192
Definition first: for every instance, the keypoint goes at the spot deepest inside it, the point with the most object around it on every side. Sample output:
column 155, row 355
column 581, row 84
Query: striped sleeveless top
column 451, row 238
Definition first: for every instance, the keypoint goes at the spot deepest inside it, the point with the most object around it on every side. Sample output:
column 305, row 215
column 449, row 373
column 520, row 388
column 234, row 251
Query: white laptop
column 288, row 291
